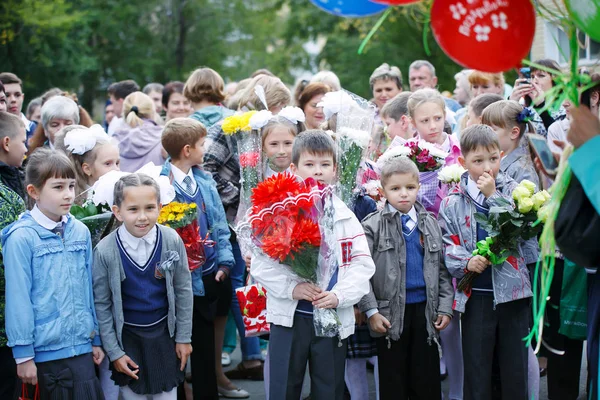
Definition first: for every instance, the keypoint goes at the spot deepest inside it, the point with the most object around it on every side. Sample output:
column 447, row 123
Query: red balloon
column 486, row 35
column 394, row 2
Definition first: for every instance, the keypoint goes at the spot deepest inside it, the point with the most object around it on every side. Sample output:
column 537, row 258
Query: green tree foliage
column 84, row 45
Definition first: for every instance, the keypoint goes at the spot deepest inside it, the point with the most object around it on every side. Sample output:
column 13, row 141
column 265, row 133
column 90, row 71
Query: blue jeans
column 250, row 346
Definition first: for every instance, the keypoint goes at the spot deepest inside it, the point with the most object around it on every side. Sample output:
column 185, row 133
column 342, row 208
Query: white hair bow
column 260, row 119
column 81, row 140
column 292, row 114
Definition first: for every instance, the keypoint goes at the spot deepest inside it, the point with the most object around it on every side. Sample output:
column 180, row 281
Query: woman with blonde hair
column 139, row 133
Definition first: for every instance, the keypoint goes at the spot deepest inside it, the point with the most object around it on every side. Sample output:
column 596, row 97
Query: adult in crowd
column 139, row 133
column 486, row 82
column 221, row 160
column 109, row 114
column 462, row 91
column 40, row 134
column 308, row 100
column 117, row 93
column 34, row 110
column 385, row 83
column 329, row 78
column 532, row 92
column 205, row 90
column 174, row 103
column 154, row 90
column 584, row 135
column 13, row 89
column 2, row 98
column 421, row 75
column 57, row 112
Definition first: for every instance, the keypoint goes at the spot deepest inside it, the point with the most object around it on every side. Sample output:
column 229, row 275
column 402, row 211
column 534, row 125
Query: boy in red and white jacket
column 290, row 300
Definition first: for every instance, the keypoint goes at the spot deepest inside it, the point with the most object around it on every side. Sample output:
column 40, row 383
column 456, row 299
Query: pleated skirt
column 153, row 350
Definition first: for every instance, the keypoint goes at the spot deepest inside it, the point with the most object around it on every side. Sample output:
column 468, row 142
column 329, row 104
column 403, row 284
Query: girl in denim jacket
column 50, row 318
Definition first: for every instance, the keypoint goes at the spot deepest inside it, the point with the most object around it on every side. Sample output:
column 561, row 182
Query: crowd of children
column 127, row 317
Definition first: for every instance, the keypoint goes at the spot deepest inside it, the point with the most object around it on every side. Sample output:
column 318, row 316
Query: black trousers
column 290, row 349
column 563, row 370
column 410, row 367
column 216, row 300
column 8, row 373
column 485, row 330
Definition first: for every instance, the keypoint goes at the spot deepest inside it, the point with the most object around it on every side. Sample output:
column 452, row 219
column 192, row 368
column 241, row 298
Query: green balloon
column 586, row 14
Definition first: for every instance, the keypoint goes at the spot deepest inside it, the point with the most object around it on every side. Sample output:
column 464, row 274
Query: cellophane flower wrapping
column 183, row 217
column 353, row 135
column 288, row 223
column 99, row 220
column 252, row 299
column 507, row 224
column 249, row 152
column 429, row 160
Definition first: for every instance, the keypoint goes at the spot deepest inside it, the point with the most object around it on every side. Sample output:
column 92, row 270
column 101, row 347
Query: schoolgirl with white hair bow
column 93, row 153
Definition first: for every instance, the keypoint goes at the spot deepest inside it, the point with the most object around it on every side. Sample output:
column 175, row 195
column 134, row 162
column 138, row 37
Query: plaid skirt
column 361, row 344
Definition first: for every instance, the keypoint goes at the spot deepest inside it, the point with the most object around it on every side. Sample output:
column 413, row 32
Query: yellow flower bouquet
column 237, row 123
column 183, row 217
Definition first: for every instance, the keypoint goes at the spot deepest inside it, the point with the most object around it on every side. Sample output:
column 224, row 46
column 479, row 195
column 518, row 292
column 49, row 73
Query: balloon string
column 374, row 29
column 425, row 33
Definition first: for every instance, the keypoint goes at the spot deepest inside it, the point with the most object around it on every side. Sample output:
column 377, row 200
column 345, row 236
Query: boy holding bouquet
column 291, row 300
column 183, row 139
column 496, row 316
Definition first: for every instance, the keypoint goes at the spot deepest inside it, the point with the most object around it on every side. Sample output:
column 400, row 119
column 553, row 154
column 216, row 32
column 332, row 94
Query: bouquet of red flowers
column 183, row 217
column 253, row 305
column 289, row 223
column 284, row 223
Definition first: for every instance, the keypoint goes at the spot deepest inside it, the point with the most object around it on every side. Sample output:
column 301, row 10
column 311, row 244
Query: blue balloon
column 350, row 8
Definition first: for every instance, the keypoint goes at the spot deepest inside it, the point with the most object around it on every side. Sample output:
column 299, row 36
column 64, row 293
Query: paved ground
column 257, row 389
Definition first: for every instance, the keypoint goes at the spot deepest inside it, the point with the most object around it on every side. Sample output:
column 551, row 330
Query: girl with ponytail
column 139, row 133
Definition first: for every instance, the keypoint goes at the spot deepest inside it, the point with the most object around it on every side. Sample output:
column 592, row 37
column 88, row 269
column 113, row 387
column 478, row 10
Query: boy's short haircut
column 133, row 180
column 122, row 89
column 479, row 103
column 9, row 125
column 153, row 87
column 205, row 84
column 314, row 141
column 396, row 107
column 399, row 165
column 477, row 136
column 8, row 77
column 180, row 132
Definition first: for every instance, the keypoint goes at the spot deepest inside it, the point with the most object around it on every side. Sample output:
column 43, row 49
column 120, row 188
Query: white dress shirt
column 179, row 176
column 41, row 218
column 474, row 191
column 138, row 249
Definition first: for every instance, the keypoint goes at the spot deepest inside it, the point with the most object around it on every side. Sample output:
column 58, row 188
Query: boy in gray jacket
column 411, row 292
column 495, row 318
